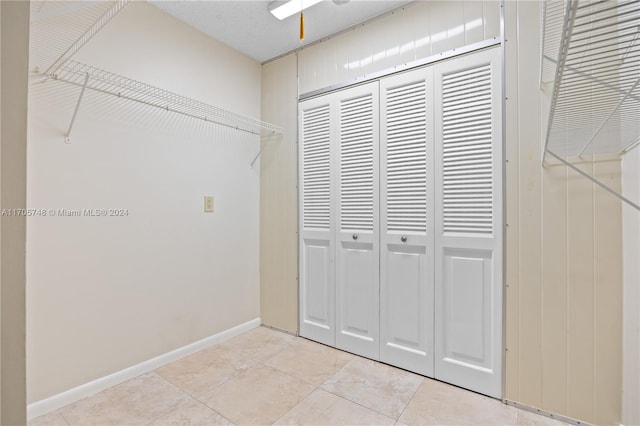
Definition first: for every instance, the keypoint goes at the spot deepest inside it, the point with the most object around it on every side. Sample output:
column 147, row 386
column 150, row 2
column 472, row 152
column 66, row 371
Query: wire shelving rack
column 591, row 56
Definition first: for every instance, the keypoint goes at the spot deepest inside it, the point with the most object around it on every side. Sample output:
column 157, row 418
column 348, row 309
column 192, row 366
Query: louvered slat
column 467, row 154
column 356, row 163
column 316, row 180
column 406, row 167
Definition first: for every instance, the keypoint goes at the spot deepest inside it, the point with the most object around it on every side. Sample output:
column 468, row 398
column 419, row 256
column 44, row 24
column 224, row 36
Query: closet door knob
column 354, row 236
column 403, row 238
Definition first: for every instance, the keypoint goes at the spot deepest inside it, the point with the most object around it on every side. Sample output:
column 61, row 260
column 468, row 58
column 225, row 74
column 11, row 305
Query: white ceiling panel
column 247, row 25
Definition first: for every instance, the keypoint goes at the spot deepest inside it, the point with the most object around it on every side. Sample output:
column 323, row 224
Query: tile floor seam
column 162, row 415
column 217, row 386
column 293, row 408
column 355, row 357
column 357, row 403
column 363, row 406
column 211, row 408
column 185, row 403
column 279, row 351
column 174, row 386
column 197, row 396
column 170, row 383
column 291, row 375
column 261, row 365
column 379, row 363
column 215, row 411
column 411, row 399
column 59, row 411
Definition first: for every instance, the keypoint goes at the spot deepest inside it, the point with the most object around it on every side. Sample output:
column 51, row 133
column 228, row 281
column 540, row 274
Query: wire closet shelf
column 61, row 29
column 122, row 87
column 591, row 56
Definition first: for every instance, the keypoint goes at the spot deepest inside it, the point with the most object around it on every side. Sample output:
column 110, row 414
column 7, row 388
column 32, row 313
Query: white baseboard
column 54, row 402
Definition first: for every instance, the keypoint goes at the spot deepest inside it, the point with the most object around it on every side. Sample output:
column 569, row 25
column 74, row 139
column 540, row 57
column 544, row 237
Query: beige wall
column 0, row 222
column 631, row 309
column 563, row 257
column 279, row 198
column 14, row 40
column 563, row 249
column 104, row 294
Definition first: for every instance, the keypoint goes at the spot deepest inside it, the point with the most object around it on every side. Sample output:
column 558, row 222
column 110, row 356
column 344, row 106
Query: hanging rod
column 109, row 83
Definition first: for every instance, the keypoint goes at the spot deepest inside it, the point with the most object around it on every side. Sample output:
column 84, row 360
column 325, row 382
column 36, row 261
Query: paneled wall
column 564, row 256
column 14, row 36
column 279, row 198
column 564, row 284
column 631, row 264
column 417, row 31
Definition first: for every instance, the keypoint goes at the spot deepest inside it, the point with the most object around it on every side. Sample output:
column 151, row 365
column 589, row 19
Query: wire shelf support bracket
column 67, row 137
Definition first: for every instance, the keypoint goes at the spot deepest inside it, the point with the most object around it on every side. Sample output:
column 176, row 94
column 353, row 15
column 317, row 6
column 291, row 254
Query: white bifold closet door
column 468, row 222
column 358, row 236
column 317, row 234
column 401, row 221
column 339, row 253
column 406, row 269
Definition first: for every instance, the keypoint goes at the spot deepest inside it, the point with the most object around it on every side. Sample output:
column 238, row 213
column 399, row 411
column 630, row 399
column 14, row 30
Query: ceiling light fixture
column 284, row 9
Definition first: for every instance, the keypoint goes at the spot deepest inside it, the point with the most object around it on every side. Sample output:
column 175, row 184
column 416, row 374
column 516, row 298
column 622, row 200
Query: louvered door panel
column 356, row 163
column 357, row 257
column 316, row 173
column 406, row 282
column 467, row 152
column 317, row 240
column 468, row 225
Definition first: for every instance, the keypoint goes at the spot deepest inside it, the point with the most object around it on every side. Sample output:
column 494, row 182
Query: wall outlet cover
column 208, row 203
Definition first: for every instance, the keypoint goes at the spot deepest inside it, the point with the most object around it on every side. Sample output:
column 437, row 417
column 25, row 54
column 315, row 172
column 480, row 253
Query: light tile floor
column 268, row 377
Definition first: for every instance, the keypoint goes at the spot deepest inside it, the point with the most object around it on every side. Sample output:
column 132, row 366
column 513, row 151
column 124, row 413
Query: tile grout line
column 191, row 397
column 302, row 380
column 297, row 403
column 244, row 358
column 162, row 415
column 356, row 357
column 359, row 404
column 258, row 363
column 172, row 385
column 197, row 398
column 61, row 415
column 215, row 411
column 315, row 386
column 411, row 399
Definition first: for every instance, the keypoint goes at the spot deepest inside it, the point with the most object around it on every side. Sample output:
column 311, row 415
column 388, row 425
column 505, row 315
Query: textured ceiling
column 247, row 25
